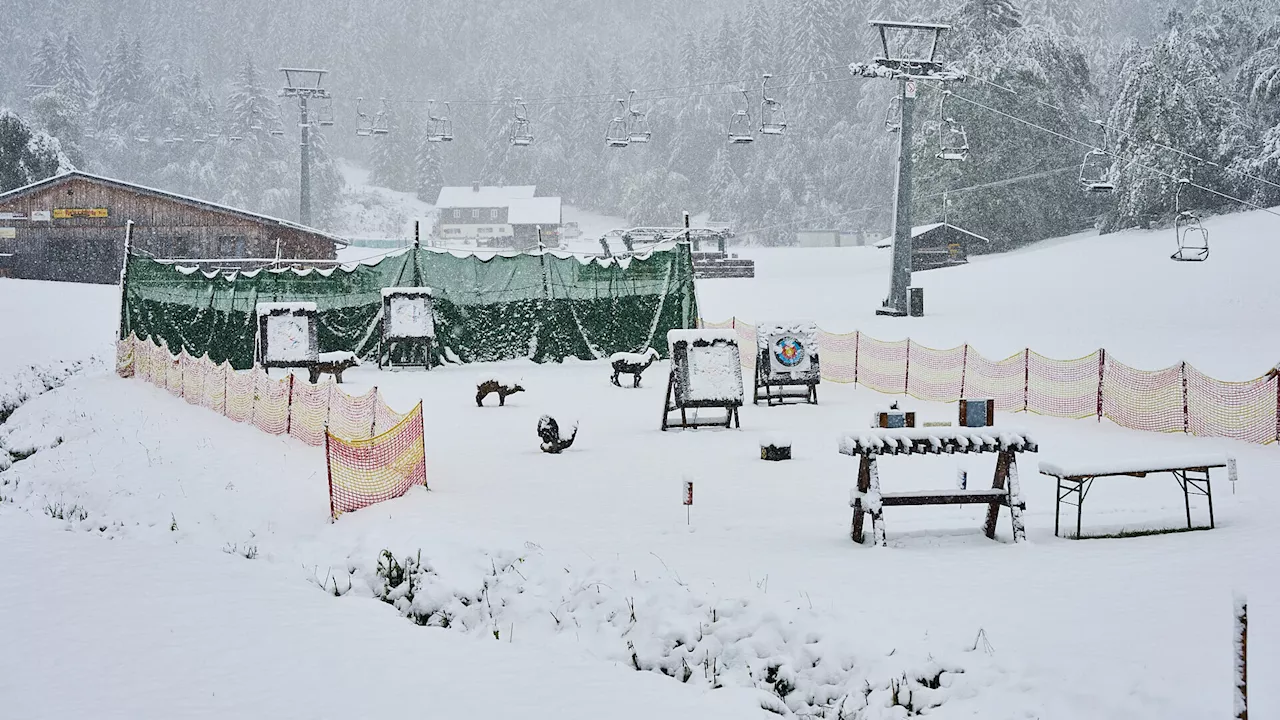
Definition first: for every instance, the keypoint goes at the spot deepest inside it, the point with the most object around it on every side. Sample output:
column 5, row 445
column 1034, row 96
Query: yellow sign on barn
column 67, row 213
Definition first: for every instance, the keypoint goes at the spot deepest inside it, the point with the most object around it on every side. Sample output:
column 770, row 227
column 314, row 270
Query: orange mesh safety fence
column 239, row 403
column 882, row 366
column 1143, row 399
column 270, row 403
column 1062, row 388
column 1241, row 410
column 364, row 472
column 126, row 365
column 746, row 344
column 352, row 417
column 838, row 355
column 173, row 374
column 935, row 375
column 215, row 386
column 309, row 411
column 1001, row 380
column 1179, row 398
column 193, row 378
column 384, row 418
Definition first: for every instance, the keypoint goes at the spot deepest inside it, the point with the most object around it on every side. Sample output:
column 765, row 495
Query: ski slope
column 763, row 575
column 1064, row 298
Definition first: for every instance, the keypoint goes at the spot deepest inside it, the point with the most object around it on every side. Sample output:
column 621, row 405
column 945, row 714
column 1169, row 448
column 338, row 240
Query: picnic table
column 867, row 498
column 1076, row 478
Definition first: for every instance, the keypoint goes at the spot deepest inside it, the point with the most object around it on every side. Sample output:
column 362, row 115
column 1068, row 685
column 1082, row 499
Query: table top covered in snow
column 882, row 441
column 1130, row 466
column 406, row 291
column 266, row 308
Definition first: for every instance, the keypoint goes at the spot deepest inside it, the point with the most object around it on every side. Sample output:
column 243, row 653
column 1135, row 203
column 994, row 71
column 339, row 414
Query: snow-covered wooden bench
column 866, row 498
column 1191, row 473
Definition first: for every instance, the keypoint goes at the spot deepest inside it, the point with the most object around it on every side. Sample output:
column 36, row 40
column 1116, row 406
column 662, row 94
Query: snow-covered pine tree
column 27, row 155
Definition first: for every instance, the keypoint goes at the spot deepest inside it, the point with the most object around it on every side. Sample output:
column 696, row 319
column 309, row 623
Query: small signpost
column 688, row 500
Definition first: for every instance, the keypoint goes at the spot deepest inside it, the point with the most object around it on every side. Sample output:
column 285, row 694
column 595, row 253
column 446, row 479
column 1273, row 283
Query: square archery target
column 411, row 317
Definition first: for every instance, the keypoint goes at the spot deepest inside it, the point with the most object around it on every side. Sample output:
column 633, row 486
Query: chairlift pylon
column 364, row 124
column 439, row 127
column 953, row 141
column 637, row 122
column 521, row 133
column 773, row 121
column 740, row 127
column 1192, row 236
column 617, row 135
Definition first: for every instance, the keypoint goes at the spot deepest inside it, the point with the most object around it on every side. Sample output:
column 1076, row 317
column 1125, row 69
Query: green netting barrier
column 544, row 307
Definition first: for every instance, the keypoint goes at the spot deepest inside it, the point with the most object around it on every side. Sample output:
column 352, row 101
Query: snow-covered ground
column 371, row 211
column 583, row 562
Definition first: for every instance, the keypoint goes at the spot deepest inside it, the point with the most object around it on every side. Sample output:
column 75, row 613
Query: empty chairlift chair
column 1095, row 172
column 364, row 123
column 637, row 123
column 773, row 120
column 617, row 135
column 382, row 120
column 893, row 115
column 439, row 127
column 521, row 133
column 1192, row 236
column 324, row 114
column 953, row 141
column 740, row 128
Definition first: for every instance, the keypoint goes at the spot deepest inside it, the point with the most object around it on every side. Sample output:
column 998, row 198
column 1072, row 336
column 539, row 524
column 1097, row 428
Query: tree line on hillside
column 1184, row 91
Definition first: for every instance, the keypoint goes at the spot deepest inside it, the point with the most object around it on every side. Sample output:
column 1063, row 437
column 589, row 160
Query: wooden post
column 997, row 483
column 1240, row 641
column 1186, row 412
column 864, row 484
column 964, row 369
column 1102, row 367
column 1026, row 379
column 906, row 381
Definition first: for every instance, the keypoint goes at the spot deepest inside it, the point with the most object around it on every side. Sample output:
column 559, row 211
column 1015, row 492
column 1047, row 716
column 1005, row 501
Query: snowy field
column 559, row 572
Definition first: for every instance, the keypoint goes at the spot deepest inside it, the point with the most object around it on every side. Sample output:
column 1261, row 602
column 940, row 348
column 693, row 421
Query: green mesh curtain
column 543, row 307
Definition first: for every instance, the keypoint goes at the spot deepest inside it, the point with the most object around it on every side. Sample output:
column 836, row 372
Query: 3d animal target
column 408, row 327
column 287, row 334
column 787, row 365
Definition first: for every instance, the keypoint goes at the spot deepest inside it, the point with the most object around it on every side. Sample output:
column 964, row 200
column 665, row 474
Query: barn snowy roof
column 144, row 190
column 919, row 230
column 482, row 196
column 534, row 211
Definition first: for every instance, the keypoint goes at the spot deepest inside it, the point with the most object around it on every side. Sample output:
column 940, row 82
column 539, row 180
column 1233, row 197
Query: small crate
column 896, row 419
column 977, row 412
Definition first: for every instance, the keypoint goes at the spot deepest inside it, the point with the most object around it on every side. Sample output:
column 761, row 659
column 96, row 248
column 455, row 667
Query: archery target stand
column 408, row 326
column 787, row 365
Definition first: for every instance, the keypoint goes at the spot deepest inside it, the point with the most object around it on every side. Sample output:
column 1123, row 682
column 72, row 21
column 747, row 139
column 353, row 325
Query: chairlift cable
column 1153, row 143
column 1131, row 161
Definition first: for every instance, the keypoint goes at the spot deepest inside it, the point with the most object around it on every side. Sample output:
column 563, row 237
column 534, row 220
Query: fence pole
column 1278, row 408
column 1240, row 641
column 1026, row 379
column 1102, row 365
column 373, row 421
column 858, row 342
column 906, row 381
column 328, row 468
column 288, row 415
column 964, row 369
column 1186, row 412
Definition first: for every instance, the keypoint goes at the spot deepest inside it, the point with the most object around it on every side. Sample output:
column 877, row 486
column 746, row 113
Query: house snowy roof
column 534, row 211
column 919, row 230
column 144, row 190
column 482, row 196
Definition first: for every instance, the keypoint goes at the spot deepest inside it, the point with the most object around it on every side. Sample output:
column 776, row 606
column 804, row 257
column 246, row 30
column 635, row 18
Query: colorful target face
column 788, row 351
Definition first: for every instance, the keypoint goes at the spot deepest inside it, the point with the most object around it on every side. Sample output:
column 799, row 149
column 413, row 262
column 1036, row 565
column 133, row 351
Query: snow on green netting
column 543, row 307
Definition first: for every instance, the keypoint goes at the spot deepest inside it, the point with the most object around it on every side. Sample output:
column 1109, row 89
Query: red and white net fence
column 365, row 472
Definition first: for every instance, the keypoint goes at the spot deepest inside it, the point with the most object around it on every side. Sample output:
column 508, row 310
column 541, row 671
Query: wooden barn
column 72, row 227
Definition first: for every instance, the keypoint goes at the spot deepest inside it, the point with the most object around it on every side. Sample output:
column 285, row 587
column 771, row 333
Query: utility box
column 916, row 296
column 977, row 412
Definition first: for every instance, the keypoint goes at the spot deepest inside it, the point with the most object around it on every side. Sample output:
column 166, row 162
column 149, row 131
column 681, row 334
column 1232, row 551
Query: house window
column 475, row 214
column 457, row 214
column 231, row 246
column 493, row 215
